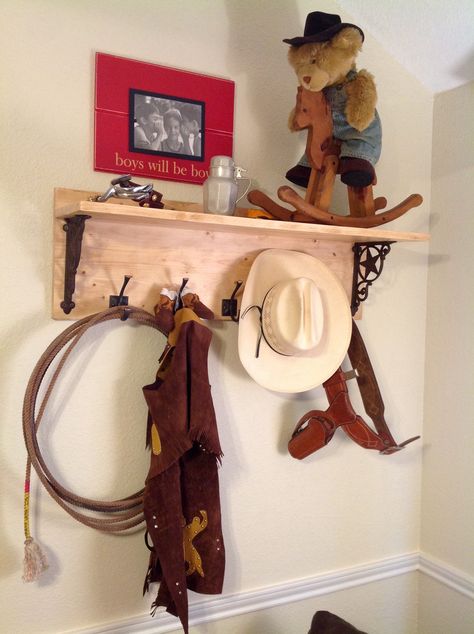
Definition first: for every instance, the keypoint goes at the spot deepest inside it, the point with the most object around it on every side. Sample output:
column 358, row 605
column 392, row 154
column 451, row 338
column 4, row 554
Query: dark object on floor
column 326, row 623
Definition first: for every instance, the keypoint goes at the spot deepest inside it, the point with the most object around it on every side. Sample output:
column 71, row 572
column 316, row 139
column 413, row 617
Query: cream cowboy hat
column 295, row 322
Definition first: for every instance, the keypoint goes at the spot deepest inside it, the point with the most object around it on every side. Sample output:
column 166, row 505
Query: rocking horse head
column 311, row 108
column 312, row 111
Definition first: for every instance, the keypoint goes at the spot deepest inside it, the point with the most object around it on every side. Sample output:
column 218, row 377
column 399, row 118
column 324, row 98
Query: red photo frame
column 160, row 122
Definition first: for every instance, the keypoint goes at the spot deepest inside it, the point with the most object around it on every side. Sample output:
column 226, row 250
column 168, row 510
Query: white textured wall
column 448, row 500
column 283, row 520
column 397, row 23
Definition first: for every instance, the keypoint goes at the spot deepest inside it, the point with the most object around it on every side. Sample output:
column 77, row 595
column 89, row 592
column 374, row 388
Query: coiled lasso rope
column 112, row 516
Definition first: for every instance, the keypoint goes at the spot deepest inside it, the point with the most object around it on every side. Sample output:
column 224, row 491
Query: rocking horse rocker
column 336, row 104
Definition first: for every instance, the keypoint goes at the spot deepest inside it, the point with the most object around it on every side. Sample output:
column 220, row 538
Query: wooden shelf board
column 193, row 219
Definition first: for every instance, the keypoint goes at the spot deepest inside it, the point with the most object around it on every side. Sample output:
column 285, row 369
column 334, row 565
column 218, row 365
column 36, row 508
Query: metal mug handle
column 238, row 177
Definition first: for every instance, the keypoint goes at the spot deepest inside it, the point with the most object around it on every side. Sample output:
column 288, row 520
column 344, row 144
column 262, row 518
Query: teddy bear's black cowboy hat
column 321, row 27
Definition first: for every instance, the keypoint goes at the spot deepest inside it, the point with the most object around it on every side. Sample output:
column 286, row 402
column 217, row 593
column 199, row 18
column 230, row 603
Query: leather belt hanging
column 316, row 428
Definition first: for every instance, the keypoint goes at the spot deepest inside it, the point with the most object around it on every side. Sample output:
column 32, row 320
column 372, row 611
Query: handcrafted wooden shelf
column 158, row 247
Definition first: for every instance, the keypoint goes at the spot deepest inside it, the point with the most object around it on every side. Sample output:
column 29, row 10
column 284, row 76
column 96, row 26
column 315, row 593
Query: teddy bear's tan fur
column 322, row 64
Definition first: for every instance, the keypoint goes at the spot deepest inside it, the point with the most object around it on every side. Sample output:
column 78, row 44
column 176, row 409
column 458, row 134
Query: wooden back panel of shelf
column 160, row 247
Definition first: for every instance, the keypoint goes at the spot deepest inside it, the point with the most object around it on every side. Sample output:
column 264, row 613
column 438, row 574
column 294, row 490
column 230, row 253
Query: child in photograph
column 191, row 130
column 172, row 122
column 149, row 132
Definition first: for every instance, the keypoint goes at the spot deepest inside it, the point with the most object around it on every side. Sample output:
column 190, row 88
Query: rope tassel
column 34, row 562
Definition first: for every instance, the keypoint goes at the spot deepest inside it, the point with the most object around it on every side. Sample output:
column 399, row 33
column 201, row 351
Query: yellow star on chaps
column 191, row 555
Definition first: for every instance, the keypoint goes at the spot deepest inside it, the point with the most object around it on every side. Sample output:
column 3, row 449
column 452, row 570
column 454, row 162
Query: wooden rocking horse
column 312, row 112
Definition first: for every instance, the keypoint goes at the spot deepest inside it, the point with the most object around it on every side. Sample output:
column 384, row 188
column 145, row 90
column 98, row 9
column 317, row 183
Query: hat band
column 261, row 334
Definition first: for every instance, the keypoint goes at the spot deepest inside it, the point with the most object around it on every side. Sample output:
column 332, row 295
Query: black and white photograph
column 167, row 125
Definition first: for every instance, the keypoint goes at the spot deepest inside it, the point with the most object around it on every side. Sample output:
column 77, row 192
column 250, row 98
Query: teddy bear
column 324, row 60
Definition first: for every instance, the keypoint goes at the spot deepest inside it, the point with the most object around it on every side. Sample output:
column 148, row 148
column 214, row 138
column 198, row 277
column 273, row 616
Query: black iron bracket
column 369, row 259
column 74, row 228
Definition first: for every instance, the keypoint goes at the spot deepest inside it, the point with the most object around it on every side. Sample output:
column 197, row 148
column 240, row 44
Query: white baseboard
column 208, row 609
column 449, row 576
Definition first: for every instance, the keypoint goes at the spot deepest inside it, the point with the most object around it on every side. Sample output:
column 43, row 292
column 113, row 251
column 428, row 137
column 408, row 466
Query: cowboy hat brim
column 292, row 374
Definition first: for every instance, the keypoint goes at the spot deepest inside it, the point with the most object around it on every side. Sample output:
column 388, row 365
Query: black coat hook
column 120, row 299
column 229, row 306
column 179, row 301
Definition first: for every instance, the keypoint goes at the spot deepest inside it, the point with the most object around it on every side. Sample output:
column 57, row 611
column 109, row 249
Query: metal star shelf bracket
column 369, row 259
